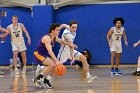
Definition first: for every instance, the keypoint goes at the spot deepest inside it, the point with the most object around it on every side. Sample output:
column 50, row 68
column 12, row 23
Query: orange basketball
column 60, row 70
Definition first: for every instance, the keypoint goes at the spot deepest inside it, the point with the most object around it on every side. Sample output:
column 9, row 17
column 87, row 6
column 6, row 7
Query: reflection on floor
column 73, row 82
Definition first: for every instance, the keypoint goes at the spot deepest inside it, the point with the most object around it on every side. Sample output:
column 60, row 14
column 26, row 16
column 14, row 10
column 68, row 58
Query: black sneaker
column 47, row 83
column 37, row 82
column 136, row 73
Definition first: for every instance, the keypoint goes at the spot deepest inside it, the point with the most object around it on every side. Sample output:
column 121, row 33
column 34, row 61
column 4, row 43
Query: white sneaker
column 90, row 78
column 38, row 70
column 51, row 79
column 17, row 72
column 24, row 70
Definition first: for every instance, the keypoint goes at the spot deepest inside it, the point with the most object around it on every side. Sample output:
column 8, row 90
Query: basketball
column 60, row 70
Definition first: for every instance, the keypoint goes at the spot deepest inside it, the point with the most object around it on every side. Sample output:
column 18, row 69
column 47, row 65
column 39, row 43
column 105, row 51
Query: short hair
column 53, row 27
column 118, row 19
column 73, row 22
column 14, row 16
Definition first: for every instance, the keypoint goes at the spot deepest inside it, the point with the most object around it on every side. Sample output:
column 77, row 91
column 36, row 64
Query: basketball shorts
column 18, row 46
column 64, row 55
column 116, row 48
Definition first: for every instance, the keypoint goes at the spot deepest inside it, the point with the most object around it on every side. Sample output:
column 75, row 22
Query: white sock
column 16, row 68
column 138, row 69
column 49, row 77
column 88, row 74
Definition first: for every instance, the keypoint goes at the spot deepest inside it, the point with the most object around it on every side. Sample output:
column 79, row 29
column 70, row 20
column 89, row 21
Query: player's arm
column 26, row 33
column 4, row 30
column 71, row 52
column 137, row 43
column 47, row 41
column 63, row 42
column 110, row 32
column 64, row 26
column 125, row 38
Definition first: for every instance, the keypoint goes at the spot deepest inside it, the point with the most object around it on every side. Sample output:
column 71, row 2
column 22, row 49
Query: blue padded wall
column 24, row 17
column 94, row 21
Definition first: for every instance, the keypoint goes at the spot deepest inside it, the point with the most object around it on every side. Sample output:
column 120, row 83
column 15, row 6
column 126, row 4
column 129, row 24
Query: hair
column 118, row 19
column 14, row 16
column 73, row 22
column 53, row 27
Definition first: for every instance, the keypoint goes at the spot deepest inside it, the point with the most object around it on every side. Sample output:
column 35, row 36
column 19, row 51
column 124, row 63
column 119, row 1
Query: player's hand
column 135, row 44
column 72, row 61
column 29, row 42
column 57, row 62
column 7, row 32
column 75, row 46
column 126, row 43
column 64, row 26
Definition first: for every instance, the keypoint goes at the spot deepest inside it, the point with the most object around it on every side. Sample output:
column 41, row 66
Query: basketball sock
column 49, row 77
column 138, row 69
column 40, row 76
column 88, row 74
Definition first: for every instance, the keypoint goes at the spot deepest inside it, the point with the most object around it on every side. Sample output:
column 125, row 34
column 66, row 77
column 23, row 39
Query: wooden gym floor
column 73, row 82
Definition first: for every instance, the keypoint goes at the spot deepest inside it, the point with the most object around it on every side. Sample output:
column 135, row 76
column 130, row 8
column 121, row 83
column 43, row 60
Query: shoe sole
column 89, row 81
column 36, row 83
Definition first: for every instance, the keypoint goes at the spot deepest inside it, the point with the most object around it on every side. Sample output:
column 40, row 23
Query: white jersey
column 16, row 33
column 67, row 36
column 64, row 52
column 117, row 35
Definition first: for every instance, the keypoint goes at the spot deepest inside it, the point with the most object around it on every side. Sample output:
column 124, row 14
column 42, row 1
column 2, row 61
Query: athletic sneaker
column 118, row 71
column 47, row 83
column 113, row 72
column 17, row 72
column 90, row 78
column 37, row 82
column 23, row 70
column 136, row 73
column 51, row 79
column 1, row 73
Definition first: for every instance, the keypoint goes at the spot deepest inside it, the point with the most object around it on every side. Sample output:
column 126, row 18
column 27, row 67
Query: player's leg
column 42, row 76
column 112, row 59
column 22, row 50
column 24, row 59
column 118, row 57
column 137, row 72
column 82, row 58
column 113, row 54
column 15, row 54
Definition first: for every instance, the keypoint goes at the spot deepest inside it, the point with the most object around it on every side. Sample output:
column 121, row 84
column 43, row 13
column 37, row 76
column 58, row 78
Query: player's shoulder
column 66, row 31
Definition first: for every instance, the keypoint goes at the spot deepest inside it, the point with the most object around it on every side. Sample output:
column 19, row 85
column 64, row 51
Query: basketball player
column 114, row 40
column 3, row 35
column 137, row 73
column 67, row 52
column 18, row 43
column 44, row 55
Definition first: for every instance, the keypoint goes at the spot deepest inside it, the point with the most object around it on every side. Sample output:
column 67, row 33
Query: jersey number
column 117, row 38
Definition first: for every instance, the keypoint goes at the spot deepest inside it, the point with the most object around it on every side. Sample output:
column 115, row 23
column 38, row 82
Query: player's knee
column 52, row 65
column 83, row 59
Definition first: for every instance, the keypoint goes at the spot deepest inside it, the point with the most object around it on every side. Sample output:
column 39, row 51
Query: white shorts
column 116, row 48
column 18, row 46
column 64, row 55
